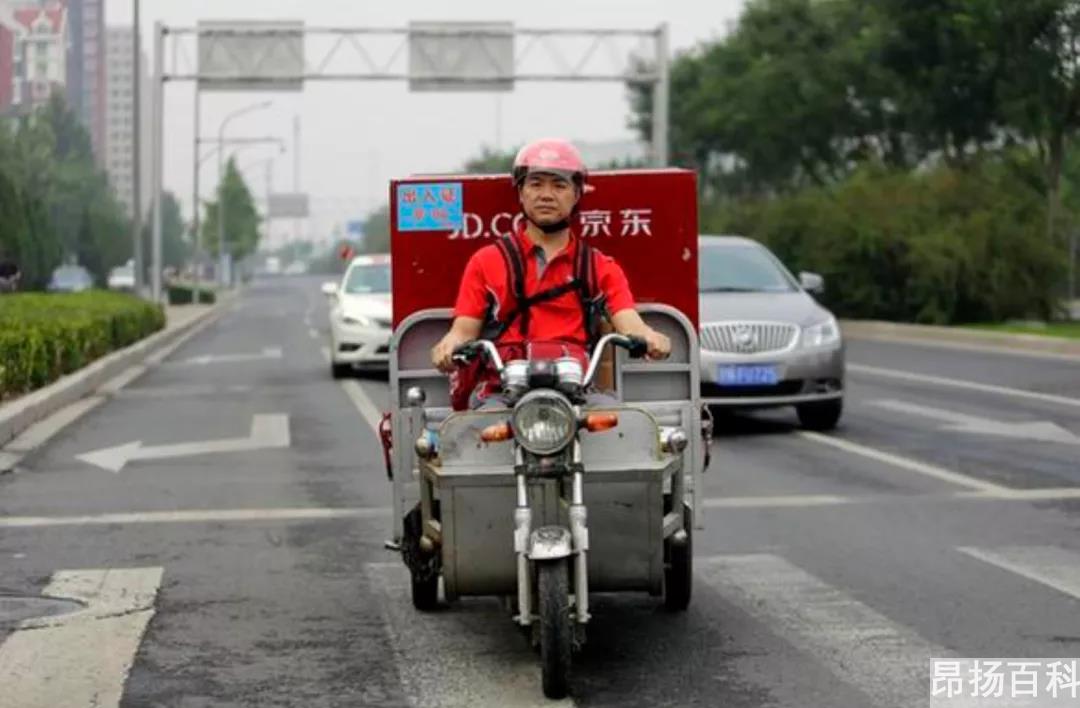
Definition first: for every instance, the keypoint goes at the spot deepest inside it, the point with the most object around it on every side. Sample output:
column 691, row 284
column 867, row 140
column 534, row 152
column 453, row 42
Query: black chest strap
column 582, row 283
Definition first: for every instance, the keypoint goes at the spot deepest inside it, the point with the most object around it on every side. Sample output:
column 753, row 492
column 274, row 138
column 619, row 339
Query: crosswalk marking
column 883, row 659
column 469, row 656
column 82, row 658
column 1048, row 565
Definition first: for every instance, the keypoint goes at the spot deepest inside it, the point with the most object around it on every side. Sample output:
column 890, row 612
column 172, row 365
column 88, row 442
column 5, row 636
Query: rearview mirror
column 812, row 282
column 329, row 289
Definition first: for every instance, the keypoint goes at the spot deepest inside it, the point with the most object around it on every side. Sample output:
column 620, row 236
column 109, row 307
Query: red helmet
column 549, row 156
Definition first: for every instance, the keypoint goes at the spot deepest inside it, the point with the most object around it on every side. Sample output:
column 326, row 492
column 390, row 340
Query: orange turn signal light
column 496, row 433
column 596, row 422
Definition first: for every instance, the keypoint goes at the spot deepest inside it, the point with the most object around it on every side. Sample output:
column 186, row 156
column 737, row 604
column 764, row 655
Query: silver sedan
column 765, row 341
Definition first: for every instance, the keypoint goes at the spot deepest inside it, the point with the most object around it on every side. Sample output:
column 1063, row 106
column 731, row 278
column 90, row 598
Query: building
column 86, row 68
column 119, row 117
column 7, row 57
column 39, row 56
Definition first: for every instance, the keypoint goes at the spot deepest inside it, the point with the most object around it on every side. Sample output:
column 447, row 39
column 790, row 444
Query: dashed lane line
column 967, row 385
column 1051, row 566
column 939, row 473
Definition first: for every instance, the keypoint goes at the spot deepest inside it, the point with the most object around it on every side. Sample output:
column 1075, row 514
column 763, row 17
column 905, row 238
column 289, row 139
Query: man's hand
column 659, row 346
column 464, row 330
column 442, row 353
column 629, row 322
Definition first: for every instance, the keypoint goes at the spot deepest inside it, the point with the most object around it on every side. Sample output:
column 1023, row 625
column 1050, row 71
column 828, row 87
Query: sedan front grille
column 748, row 337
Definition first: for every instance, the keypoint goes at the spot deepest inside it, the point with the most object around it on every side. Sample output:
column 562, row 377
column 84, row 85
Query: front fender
column 550, row 543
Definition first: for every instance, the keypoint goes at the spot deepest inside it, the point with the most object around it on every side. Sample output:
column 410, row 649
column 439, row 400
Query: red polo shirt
column 560, row 319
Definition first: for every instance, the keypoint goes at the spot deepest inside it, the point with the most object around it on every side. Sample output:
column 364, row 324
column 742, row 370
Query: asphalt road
column 236, row 557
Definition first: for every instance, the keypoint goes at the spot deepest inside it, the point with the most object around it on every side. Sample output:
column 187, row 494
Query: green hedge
column 43, row 337
column 184, row 294
column 940, row 246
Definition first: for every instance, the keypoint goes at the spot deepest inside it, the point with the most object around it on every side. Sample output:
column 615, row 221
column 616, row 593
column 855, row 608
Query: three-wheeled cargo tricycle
column 556, row 494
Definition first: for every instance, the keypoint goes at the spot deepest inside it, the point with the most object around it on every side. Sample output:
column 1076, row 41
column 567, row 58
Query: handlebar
column 465, row 353
column 635, row 346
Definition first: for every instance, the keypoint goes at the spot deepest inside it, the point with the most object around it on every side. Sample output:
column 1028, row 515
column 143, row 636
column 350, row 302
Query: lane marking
column 313, row 333
column 268, row 432
column 82, row 658
column 978, row 348
column 198, row 516
column 797, row 500
column 497, row 669
column 1036, row 494
column 1048, row 565
column 363, row 403
column 205, row 359
column 368, row 410
column 967, row 385
column 187, row 391
column 850, row 638
column 922, row 468
column 1031, row 430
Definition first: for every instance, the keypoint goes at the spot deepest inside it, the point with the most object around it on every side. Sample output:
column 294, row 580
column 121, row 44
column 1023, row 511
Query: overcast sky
column 356, row 136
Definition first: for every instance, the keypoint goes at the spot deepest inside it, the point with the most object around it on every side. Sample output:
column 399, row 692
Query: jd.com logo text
column 592, row 223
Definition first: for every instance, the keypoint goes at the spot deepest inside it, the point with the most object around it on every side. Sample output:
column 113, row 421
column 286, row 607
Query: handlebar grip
column 637, row 347
column 465, row 353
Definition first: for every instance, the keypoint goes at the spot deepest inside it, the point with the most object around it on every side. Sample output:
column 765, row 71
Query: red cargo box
column 646, row 219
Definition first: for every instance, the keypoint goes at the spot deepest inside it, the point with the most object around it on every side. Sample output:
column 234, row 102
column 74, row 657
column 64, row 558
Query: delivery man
column 542, row 283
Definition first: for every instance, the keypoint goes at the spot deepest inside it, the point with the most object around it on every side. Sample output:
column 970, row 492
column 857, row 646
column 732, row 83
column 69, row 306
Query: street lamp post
column 136, row 171
column 221, row 180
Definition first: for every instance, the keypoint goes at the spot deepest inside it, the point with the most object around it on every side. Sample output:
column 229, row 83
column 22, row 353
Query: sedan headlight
column 821, row 334
column 543, row 422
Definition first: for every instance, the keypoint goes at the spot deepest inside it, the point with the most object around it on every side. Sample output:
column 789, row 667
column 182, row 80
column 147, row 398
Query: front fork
column 579, row 534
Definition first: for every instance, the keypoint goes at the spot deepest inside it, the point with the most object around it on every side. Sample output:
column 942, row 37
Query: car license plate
column 747, row 375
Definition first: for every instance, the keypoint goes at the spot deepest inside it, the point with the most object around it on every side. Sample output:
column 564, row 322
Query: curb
column 952, row 336
column 18, row 415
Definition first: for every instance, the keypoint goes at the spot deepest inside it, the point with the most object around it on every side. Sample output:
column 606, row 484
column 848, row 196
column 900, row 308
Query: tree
column 491, row 161
column 377, row 231
column 62, row 204
column 241, row 218
column 176, row 249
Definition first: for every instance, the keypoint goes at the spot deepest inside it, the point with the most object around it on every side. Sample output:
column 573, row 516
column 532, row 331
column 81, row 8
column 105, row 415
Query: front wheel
column 555, row 630
column 820, row 416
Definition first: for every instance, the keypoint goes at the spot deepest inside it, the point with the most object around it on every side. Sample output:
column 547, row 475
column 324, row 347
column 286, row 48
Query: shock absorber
column 579, row 531
column 522, row 529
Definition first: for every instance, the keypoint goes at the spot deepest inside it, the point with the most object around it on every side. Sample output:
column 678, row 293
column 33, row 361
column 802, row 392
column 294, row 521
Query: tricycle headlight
column 543, row 422
column 821, row 334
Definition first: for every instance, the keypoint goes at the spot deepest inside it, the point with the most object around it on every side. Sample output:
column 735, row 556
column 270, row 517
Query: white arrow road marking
column 1041, row 431
column 82, row 658
column 267, row 432
column 268, row 353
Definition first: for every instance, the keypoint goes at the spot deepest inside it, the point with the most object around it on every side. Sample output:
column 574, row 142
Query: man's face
column 547, row 199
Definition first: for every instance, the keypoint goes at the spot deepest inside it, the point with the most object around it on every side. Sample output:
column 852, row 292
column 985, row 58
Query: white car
column 122, row 277
column 360, row 316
